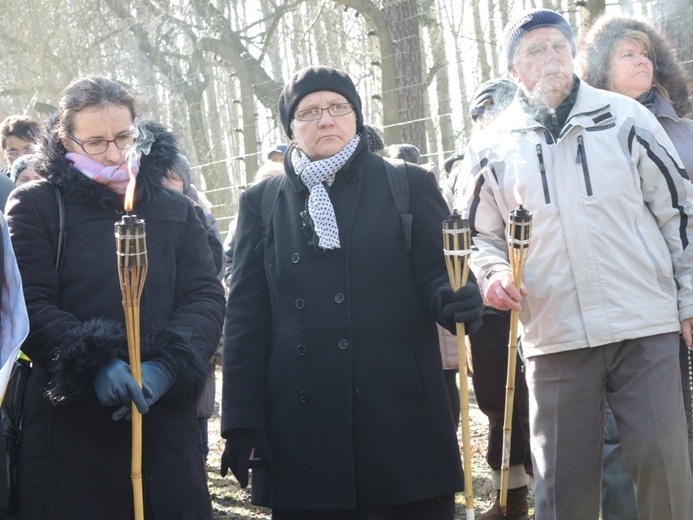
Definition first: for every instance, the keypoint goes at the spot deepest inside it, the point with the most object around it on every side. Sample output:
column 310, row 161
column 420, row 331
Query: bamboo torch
column 131, row 249
column 457, row 246
column 518, row 244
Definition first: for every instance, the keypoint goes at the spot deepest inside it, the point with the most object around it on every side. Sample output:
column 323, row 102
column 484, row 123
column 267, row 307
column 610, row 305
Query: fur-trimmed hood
column 595, row 49
column 55, row 167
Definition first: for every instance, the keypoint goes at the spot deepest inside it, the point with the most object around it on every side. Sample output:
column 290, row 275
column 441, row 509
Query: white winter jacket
column 610, row 257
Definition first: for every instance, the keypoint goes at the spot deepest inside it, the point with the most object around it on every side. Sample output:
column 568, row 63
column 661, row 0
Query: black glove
column 156, row 381
column 115, row 386
column 462, row 306
column 240, row 444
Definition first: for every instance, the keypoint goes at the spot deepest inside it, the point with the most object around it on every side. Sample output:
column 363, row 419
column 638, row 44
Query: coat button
column 295, row 258
column 339, row 298
column 300, row 304
column 302, row 396
column 301, row 350
column 343, row 344
column 350, row 177
column 356, row 393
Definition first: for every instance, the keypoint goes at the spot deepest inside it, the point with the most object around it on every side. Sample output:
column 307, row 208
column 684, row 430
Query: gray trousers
column 641, row 380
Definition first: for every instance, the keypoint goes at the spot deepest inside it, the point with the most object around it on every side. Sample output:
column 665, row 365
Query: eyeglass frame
column 107, row 141
column 322, row 111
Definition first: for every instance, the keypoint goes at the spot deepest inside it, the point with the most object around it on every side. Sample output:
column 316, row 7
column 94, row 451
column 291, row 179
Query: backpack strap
column 269, row 198
column 396, row 174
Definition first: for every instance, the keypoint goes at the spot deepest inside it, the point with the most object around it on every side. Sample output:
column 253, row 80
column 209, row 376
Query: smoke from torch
column 143, row 140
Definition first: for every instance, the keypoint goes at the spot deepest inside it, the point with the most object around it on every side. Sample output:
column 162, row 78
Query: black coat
column 334, row 354
column 75, row 460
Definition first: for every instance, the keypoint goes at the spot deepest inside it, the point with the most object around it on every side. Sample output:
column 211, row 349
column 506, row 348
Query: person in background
column 22, row 170
column 632, row 57
column 75, row 454
column 449, row 175
column 274, row 165
column 489, row 350
column 179, row 178
column 17, row 136
column 374, row 137
column 276, row 154
column 332, row 374
column 607, row 282
column 405, row 152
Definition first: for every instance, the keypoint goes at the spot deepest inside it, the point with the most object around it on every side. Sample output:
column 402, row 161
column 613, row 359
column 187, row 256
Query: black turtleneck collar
column 552, row 119
column 648, row 100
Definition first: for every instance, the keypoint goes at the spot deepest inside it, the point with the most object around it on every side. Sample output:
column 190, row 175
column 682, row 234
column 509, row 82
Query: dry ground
column 230, row 502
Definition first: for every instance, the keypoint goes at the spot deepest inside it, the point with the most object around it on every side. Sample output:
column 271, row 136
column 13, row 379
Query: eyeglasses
column 97, row 146
column 313, row 114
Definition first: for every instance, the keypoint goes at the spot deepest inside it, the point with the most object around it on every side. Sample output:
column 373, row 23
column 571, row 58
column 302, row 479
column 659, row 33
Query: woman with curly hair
column 632, row 57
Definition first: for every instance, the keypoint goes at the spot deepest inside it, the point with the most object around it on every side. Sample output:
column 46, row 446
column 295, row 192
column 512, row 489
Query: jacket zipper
column 542, row 171
column 582, row 159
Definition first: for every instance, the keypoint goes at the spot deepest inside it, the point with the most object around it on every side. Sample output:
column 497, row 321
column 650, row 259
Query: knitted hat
column 406, row 152
column 495, row 92
column 528, row 21
column 181, row 166
column 375, row 138
column 314, row 79
column 20, row 164
column 450, row 161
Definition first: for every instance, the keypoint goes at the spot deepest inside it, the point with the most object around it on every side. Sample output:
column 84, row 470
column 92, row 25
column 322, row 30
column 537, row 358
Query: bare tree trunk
column 589, row 11
column 484, row 67
column 388, row 66
column 442, row 78
column 403, row 22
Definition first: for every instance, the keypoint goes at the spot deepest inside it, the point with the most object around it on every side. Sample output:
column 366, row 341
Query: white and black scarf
column 317, row 176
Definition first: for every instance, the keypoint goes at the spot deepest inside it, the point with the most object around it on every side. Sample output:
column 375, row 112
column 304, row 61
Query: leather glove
column 156, row 381
column 115, row 386
column 462, row 306
column 240, row 445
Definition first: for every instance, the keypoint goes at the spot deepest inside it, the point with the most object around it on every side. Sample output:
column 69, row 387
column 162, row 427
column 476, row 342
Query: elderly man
column 608, row 278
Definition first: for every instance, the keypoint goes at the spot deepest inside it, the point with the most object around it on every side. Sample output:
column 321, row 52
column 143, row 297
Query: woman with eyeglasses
column 76, row 444
column 333, row 383
column 17, row 136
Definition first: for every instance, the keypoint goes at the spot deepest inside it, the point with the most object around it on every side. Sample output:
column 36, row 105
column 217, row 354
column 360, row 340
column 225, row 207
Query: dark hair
column 596, row 48
column 88, row 92
column 22, row 127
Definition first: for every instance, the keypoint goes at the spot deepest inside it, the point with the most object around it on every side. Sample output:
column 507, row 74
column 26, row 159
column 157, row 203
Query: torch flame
column 143, row 140
column 130, row 193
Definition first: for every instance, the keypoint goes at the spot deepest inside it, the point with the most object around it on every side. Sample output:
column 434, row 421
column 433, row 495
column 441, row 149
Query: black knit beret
column 528, row 21
column 314, row 79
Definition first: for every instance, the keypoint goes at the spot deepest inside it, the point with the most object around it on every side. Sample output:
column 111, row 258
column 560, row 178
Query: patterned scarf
column 115, row 177
column 317, row 176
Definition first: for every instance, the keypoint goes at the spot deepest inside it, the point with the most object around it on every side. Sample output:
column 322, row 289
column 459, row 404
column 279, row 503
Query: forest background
column 212, row 70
